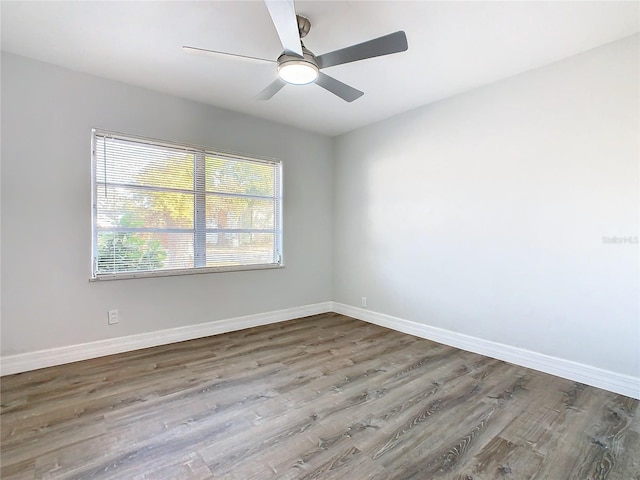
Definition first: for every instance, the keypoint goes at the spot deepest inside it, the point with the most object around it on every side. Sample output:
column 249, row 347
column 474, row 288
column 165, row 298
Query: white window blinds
column 161, row 208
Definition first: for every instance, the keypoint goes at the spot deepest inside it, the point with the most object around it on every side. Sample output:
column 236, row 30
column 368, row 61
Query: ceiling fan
column 297, row 65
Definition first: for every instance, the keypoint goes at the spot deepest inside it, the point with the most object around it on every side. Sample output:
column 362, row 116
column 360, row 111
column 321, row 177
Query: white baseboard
column 596, row 377
column 57, row 356
column 611, row 381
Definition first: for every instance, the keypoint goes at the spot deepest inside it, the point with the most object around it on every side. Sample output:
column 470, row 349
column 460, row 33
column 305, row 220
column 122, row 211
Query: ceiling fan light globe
column 298, row 72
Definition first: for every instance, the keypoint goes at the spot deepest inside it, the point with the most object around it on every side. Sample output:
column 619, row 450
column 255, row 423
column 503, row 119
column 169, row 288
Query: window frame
column 199, row 225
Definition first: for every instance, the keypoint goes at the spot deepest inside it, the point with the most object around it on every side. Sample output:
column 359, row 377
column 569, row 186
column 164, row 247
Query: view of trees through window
column 164, row 207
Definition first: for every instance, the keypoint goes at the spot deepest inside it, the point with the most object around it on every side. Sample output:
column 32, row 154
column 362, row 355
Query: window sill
column 179, row 272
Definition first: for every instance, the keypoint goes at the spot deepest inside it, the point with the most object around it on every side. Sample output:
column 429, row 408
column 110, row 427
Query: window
column 165, row 209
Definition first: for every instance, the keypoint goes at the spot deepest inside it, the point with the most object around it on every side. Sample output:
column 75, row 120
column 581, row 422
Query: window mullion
column 200, row 211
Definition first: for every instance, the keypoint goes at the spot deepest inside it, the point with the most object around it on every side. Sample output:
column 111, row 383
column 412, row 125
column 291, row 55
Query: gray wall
column 484, row 214
column 47, row 300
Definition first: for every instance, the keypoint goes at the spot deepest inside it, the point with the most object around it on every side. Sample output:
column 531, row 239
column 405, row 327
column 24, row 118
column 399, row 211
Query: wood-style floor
column 325, row 397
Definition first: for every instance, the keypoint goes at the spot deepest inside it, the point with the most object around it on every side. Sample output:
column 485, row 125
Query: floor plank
column 324, row 397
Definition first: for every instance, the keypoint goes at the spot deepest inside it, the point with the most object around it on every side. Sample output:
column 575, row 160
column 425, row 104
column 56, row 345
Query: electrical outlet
column 113, row 317
column 364, row 302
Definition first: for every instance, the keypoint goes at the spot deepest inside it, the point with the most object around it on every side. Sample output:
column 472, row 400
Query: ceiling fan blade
column 392, row 43
column 204, row 51
column 273, row 88
column 344, row 91
column 283, row 14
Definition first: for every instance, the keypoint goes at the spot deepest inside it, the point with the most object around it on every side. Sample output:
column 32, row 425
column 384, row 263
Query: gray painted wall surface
column 485, row 213
column 47, row 300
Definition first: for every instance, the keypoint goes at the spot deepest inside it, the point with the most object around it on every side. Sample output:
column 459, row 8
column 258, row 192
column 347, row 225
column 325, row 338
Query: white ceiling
column 453, row 47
